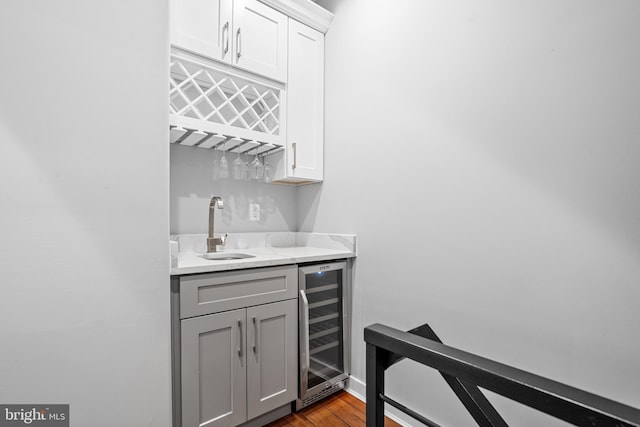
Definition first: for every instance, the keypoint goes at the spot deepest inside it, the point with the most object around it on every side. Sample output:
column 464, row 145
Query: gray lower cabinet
column 272, row 365
column 214, row 375
column 238, row 364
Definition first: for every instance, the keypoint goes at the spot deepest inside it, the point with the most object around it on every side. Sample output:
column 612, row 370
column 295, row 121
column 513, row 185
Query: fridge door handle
column 304, row 348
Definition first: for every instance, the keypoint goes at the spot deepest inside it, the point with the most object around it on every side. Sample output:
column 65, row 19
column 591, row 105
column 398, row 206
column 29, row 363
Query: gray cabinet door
column 272, row 359
column 214, row 369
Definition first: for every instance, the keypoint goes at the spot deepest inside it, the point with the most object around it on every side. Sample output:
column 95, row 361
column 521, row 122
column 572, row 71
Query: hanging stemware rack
column 197, row 138
column 214, row 106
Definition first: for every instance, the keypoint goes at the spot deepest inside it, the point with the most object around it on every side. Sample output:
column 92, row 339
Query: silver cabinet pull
column 225, row 40
column 256, row 337
column 240, row 339
column 238, row 45
column 295, row 155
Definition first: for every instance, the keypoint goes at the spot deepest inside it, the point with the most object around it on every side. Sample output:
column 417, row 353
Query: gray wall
column 84, row 172
column 486, row 154
column 193, row 182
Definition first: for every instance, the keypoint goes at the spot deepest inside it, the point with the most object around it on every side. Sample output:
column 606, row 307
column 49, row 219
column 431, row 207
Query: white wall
column 84, row 172
column 486, row 154
column 194, row 181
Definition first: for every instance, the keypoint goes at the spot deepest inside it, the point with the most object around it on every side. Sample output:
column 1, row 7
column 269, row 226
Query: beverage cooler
column 324, row 330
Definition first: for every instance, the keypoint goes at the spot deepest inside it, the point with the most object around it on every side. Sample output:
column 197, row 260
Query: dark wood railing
column 465, row 372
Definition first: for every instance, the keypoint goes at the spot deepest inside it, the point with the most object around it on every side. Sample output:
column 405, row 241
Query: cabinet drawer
column 214, row 292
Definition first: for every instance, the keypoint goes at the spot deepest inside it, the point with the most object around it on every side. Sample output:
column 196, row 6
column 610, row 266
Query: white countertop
column 301, row 248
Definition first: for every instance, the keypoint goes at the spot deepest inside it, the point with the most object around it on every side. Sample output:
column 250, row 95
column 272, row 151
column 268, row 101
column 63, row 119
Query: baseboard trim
column 358, row 389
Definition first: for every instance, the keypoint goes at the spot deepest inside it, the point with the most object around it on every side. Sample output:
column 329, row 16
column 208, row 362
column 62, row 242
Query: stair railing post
column 375, row 385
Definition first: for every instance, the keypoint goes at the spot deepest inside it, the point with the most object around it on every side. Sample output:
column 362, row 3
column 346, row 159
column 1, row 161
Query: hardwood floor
column 341, row 409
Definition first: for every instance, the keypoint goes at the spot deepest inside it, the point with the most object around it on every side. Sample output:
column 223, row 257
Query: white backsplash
column 192, row 185
column 327, row 241
column 198, row 242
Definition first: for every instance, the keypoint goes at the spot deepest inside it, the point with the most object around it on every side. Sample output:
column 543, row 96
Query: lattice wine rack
column 211, row 107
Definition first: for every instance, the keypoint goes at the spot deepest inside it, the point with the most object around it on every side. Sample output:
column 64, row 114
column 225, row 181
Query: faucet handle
column 223, row 239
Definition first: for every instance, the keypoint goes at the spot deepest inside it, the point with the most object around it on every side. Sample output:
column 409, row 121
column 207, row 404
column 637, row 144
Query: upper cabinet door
column 260, row 39
column 203, row 27
column 305, row 103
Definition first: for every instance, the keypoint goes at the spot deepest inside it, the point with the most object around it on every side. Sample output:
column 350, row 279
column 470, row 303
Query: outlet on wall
column 254, row 212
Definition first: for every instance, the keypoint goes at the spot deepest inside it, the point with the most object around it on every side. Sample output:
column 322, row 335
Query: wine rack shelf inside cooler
column 325, row 328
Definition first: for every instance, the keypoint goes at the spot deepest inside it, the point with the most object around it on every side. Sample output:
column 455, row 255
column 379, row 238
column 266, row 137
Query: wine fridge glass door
column 323, row 336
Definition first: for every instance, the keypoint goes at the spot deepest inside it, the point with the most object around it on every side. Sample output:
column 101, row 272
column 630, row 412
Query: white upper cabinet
column 260, row 39
column 305, row 96
column 203, row 27
column 243, row 33
column 248, row 76
column 303, row 157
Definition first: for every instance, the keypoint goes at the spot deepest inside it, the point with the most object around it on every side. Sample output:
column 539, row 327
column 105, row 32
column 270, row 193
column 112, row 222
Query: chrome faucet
column 213, row 242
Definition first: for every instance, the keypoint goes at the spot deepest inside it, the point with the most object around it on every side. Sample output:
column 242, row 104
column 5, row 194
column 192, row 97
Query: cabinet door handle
column 256, row 337
column 295, row 155
column 225, row 38
column 240, row 339
column 238, row 45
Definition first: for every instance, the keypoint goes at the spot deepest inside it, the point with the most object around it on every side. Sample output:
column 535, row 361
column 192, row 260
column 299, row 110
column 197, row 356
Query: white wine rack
column 211, row 107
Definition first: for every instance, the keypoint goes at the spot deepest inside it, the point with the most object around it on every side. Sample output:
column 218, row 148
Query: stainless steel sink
column 225, row 256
